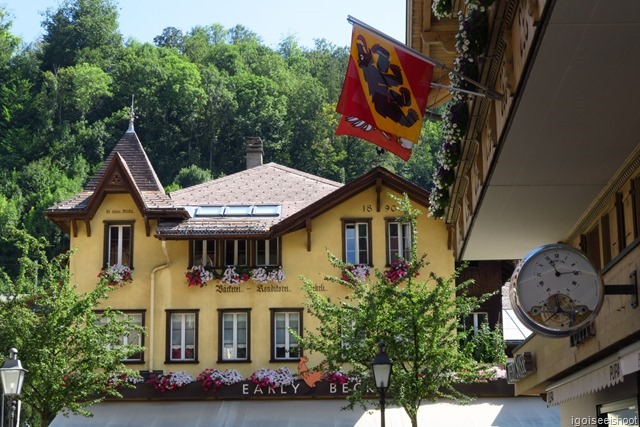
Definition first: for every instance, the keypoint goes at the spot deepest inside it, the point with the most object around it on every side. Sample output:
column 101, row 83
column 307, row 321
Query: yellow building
column 554, row 158
column 256, row 231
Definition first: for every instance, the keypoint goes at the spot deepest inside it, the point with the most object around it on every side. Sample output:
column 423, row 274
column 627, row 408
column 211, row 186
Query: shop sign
column 521, row 367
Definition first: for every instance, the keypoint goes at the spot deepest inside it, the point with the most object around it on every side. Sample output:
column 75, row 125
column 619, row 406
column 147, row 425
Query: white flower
column 279, row 377
column 180, row 378
column 259, row 275
column 228, row 377
column 230, row 276
column 277, row 276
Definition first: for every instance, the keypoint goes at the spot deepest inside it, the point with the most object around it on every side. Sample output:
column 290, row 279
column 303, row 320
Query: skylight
column 238, row 211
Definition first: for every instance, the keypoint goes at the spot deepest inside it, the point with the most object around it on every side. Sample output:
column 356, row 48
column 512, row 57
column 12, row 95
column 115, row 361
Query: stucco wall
column 171, row 290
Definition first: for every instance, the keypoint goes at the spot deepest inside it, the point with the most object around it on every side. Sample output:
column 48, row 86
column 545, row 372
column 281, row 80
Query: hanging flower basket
column 441, row 8
column 116, row 275
column 467, row 66
column 473, row 33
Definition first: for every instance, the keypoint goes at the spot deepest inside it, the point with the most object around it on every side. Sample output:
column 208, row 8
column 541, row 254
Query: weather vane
column 131, row 116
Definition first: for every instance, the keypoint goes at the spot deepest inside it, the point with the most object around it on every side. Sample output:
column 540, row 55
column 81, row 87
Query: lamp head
column 382, row 367
column 12, row 374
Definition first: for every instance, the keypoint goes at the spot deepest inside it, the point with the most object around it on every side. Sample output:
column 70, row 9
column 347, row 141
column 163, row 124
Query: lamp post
column 12, row 374
column 381, row 367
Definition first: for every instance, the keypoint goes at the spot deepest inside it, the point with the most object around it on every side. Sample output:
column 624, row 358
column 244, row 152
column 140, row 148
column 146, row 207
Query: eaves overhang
column 377, row 177
column 573, row 127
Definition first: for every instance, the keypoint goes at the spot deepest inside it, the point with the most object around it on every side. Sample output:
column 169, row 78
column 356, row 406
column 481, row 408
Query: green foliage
column 192, row 175
column 80, row 31
column 82, row 88
column 417, row 320
column 64, row 104
column 487, row 345
column 8, row 42
column 71, row 356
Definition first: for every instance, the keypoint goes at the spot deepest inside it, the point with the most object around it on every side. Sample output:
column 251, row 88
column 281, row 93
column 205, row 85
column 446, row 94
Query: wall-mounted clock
column 555, row 290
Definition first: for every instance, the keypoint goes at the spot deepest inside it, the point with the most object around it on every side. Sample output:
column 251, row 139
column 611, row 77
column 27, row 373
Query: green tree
column 71, row 351
column 8, row 42
column 328, row 64
column 171, row 37
column 169, row 101
column 82, row 88
column 191, row 175
column 80, row 31
column 417, row 320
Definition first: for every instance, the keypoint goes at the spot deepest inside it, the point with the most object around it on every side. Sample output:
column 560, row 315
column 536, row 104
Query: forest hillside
column 65, row 101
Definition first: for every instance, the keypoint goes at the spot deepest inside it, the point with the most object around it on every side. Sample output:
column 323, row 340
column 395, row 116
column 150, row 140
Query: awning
column 630, row 359
column 605, row 373
column 483, row 412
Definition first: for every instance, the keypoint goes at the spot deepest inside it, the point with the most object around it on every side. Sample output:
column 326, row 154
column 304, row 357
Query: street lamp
column 12, row 374
column 381, row 367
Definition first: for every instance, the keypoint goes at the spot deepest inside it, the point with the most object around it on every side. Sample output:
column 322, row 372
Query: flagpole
column 490, row 93
column 457, row 89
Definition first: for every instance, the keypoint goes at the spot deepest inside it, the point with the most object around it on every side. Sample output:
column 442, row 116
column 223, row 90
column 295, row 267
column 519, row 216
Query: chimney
column 254, row 152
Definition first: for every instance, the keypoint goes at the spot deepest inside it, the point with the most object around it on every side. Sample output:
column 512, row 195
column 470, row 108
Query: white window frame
column 265, row 252
column 125, row 340
column 478, row 317
column 137, row 338
column 403, row 237
column 236, row 252
column 289, row 342
column 205, row 247
column 231, row 353
column 183, row 345
column 120, row 252
column 352, row 256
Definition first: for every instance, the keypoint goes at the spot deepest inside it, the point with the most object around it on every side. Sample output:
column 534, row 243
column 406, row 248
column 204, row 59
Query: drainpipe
column 152, row 305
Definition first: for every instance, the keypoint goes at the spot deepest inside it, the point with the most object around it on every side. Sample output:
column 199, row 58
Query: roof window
column 237, row 211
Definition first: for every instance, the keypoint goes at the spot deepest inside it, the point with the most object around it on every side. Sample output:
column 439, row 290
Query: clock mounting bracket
column 631, row 289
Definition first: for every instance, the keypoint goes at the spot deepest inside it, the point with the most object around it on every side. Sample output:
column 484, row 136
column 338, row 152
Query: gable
column 377, row 178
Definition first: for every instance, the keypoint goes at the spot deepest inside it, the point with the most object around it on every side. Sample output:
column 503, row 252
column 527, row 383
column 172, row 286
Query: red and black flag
column 354, row 126
column 386, row 86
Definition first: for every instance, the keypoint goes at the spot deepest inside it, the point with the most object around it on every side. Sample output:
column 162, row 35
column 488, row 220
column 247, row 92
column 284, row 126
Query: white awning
column 593, row 378
column 483, row 412
column 630, row 359
column 605, row 373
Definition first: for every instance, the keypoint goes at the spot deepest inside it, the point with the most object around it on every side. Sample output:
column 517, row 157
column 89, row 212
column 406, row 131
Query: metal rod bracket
column 631, row 289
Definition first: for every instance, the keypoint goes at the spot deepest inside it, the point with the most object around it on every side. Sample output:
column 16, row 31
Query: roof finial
column 131, row 117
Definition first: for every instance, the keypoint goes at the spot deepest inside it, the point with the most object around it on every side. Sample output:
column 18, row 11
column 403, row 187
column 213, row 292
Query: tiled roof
column 130, row 148
column 271, row 183
column 216, row 227
column 129, row 152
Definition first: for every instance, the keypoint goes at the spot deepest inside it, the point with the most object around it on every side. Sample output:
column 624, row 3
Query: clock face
column 556, row 291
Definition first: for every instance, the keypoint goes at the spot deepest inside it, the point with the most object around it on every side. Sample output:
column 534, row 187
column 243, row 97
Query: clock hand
column 553, row 264
column 568, row 272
